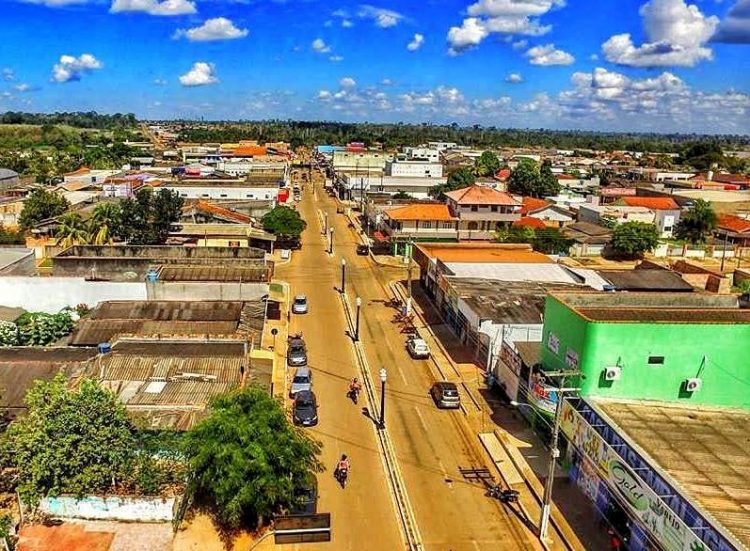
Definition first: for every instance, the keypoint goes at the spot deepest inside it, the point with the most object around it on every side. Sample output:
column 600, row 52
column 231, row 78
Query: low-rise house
column 414, row 169
column 17, row 261
column 481, row 211
column 666, row 211
column 551, row 215
column 86, row 175
column 614, row 215
column 222, row 235
column 8, row 179
column 218, row 188
column 419, row 222
column 359, row 187
column 588, row 239
column 733, row 229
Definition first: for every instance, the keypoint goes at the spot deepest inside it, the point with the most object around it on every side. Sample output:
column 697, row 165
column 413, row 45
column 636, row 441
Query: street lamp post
column 325, row 218
column 383, row 377
column 330, row 241
column 358, row 302
column 343, row 276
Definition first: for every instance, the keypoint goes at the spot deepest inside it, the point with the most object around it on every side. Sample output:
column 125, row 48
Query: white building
column 85, row 175
column 414, row 169
column 596, row 214
column 417, row 188
column 359, row 161
column 224, row 190
column 422, row 154
column 244, row 168
column 442, row 146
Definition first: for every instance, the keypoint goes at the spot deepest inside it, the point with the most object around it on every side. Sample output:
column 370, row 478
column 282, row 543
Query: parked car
column 296, row 353
column 445, row 395
column 299, row 306
column 306, row 498
column 363, row 250
column 302, row 381
column 305, row 409
column 417, row 348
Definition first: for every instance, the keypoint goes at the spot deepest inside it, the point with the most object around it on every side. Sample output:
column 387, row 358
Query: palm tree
column 104, row 223
column 696, row 224
column 72, row 230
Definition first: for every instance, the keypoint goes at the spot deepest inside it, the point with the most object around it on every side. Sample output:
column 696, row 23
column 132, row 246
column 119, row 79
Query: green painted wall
column 725, row 372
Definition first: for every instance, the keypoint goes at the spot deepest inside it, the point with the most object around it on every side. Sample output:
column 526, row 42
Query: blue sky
column 660, row 65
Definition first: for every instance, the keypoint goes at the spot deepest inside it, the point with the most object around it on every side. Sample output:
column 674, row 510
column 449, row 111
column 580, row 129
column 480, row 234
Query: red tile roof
column 81, row 171
column 211, row 208
column 481, row 195
column 421, row 212
column 66, row 537
column 565, row 177
column 250, row 151
column 503, row 174
column 528, row 222
column 532, row 204
column 733, row 224
column 653, row 203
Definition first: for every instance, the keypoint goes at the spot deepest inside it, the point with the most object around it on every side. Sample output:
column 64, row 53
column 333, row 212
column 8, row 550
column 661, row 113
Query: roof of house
column 528, row 222
column 547, row 272
column 532, row 204
column 481, row 195
column 530, row 352
column 418, row 211
column 586, row 232
column 7, row 174
column 250, row 150
column 646, row 280
column 732, row 223
column 485, row 253
column 79, row 172
column 653, row 203
column 220, row 212
column 502, row 174
column 69, row 536
column 711, row 471
column 199, row 272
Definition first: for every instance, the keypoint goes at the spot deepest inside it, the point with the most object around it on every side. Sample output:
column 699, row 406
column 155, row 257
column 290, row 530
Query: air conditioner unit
column 612, row 373
column 693, row 384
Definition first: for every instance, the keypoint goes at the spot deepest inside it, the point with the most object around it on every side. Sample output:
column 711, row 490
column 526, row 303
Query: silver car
column 299, row 306
column 296, row 353
column 302, row 381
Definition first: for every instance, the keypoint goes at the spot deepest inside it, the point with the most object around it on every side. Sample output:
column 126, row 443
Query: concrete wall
column 52, row 294
column 135, row 509
column 25, row 266
column 205, row 290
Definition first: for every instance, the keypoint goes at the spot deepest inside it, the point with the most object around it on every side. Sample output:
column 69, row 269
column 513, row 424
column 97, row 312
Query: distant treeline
column 398, row 135
column 90, row 119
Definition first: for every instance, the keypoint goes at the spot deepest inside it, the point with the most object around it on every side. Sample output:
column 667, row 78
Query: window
column 656, row 360
column 204, row 195
column 447, row 225
column 183, row 194
column 223, row 195
column 493, row 208
column 474, row 208
column 667, row 228
column 473, row 226
column 426, row 224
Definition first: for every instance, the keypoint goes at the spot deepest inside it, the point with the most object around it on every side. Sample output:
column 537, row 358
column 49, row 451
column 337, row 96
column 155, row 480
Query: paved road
column 451, row 513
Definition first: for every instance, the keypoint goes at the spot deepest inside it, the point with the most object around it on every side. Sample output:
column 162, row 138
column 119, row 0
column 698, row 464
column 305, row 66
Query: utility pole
column 724, row 250
column 554, row 452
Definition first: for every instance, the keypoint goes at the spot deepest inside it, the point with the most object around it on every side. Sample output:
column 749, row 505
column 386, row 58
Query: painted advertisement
column 553, row 343
column 664, row 525
column 543, row 397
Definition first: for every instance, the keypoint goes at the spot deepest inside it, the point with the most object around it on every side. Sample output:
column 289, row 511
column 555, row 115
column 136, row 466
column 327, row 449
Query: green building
column 670, row 347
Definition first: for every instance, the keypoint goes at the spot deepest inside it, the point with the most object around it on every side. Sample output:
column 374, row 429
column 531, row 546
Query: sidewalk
column 279, row 291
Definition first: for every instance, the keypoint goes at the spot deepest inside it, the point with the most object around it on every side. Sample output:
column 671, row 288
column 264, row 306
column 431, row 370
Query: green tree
column 515, row 234
column 551, row 241
column 73, row 230
column 525, row 179
column 148, row 218
column 283, row 221
column 458, row 179
column 41, row 205
column 105, row 223
column 632, row 239
column 697, row 223
column 71, row 441
column 11, row 237
column 247, row 459
column 487, row 164
column 548, row 184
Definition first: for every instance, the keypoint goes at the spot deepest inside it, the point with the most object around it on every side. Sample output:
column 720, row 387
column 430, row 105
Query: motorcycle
column 340, row 475
column 505, row 496
column 353, row 394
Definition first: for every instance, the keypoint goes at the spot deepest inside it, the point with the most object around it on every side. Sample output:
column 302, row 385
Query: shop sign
column 571, row 358
column 553, row 343
column 543, row 397
column 666, row 527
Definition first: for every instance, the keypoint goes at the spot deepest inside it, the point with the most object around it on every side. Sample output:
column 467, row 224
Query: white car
column 417, row 348
column 299, row 306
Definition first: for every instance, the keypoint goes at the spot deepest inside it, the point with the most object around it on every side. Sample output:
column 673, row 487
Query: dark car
column 363, row 250
column 305, row 410
column 306, row 498
column 445, row 395
column 296, row 353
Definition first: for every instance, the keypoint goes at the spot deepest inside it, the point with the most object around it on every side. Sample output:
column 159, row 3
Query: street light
column 358, row 302
column 343, row 276
column 325, row 228
column 383, row 377
column 330, row 241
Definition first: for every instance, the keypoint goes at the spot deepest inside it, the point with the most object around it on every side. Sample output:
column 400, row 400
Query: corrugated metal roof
column 213, row 310
column 180, row 393
column 126, row 367
column 215, row 273
column 92, row 332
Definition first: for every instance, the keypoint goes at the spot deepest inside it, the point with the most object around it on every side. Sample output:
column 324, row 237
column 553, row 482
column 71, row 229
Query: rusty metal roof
column 209, row 310
column 248, row 274
column 92, row 332
column 704, row 450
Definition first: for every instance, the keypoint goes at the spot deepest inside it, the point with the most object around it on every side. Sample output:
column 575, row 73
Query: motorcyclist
column 342, row 467
column 354, row 386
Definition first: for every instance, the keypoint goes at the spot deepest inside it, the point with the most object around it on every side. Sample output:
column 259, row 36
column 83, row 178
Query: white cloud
column 416, row 42
column 471, row 33
column 510, row 17
column 8, row 74
column 382, row 17
column 386, row 82
column 347, row 82
column 520, row 44
column 548, row 55
column 676, row 36
column 219, row 28
column 514, row 78
column 200, row 74
column 320, row 46
column 346, row 23
column 55, row 3
column 71, row 68
column 154, row 7
column 23, row 87
column 160, row 82
column 324, row 95
column 735, row 29
column 336, row 58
